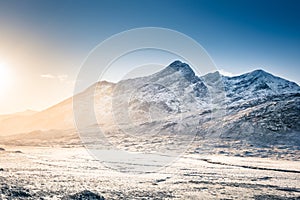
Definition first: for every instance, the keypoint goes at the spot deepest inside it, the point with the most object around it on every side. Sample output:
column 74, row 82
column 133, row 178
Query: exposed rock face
column 263, row 108
column 84, row 195
column 255, row 106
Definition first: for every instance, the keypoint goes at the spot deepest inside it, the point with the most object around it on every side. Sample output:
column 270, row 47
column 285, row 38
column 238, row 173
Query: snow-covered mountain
column 256, row 106
column 257, row 85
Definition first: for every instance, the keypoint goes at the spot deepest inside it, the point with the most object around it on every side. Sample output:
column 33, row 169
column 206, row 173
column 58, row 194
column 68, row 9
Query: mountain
column 255, row 106
column 56, row 117
column 23, row 113
column 262, row 107
column 257, row 85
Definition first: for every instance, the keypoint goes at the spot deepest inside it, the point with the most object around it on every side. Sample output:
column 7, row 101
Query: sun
column 4, row 77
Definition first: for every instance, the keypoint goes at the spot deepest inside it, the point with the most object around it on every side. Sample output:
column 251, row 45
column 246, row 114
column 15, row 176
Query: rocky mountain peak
column 212, row 77
column 181, row 67
column 259, row 72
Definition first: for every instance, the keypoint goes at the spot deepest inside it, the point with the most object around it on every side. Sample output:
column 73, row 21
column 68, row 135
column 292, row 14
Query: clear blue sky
column 51, row 38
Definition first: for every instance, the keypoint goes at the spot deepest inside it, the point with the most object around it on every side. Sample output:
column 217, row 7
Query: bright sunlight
column 4, row 77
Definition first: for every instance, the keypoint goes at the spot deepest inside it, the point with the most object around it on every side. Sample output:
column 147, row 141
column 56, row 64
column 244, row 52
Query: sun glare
column 4, row 77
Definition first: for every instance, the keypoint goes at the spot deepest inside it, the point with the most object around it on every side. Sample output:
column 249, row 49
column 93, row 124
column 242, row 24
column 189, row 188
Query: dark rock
column 274, row 197
column 20, row 193
column 160, row 180
column 15, row 192
column 264, row 178
column 84, row 195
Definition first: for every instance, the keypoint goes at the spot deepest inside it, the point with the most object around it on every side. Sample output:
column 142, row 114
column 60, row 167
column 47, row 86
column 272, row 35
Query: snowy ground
column 56, row 172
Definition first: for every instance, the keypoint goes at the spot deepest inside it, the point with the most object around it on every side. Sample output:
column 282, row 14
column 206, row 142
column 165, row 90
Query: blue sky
column 52, row 38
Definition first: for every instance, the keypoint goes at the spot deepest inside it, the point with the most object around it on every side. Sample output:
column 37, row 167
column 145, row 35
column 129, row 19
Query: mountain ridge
column 230, row 106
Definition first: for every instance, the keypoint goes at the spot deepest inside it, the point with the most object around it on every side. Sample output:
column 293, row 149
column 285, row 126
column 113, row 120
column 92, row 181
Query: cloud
column 49, row 76
column 225, row 73
column 61, row 78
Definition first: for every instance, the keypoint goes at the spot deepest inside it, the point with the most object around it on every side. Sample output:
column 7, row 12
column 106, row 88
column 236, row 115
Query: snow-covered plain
column 170, row 135
column 57, row 172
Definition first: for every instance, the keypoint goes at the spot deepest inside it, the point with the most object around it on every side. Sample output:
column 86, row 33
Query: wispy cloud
column 49, row 76
column 61, row 78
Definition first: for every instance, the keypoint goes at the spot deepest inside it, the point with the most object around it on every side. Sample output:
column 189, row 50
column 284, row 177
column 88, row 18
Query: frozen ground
column 59, row 173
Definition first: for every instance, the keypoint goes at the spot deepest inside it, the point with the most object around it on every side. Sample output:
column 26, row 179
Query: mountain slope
column 255, row 106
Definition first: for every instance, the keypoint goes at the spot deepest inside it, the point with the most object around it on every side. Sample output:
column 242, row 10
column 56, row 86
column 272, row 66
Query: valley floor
column 58, row 173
